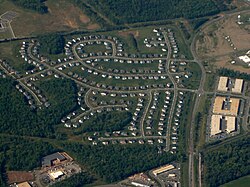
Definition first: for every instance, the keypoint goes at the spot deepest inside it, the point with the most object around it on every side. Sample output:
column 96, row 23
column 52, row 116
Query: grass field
column 5, row 34
column 194, row 81
column 241, row 182
column 62, row 16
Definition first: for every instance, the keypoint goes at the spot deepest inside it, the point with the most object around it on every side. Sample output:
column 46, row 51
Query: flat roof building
column 238, row 85
column 222, row 86
column 231, row 124
column 53, row 159
column 56, row 174
column 226, row 106
column 215, row 124
column 24, row 184
column 228, row 84
column 163, row 169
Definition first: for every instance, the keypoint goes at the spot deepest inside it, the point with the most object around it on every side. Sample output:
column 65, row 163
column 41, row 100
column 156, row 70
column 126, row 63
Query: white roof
column 222, row 86
column 56, row 174
column 245, row 58
column 238, row 86
column 215, row 124
column 231, row 125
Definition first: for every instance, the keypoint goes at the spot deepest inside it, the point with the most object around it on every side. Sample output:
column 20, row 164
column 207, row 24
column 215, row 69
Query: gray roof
column 46, row 161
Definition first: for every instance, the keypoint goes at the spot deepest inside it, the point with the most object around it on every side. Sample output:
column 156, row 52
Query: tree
column 52, row 43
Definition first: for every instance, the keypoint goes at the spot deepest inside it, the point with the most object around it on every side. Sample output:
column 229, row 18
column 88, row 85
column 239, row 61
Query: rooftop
column 226, row 106
column 24, row 184
column 47, row 160
column 216, row 124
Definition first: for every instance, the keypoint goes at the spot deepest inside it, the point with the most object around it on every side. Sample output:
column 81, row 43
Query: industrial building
column 227, row 84
column 56, row 174
column 53, row 159
column 163, row 169
column 226, row 106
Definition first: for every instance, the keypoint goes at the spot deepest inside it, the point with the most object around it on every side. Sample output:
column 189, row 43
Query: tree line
column 116, row 162
column 36, row 5
column 227, row 162
column 18, row 118
column 131, row 11
column 51, row 43
column 233, row 74
column 77, row 180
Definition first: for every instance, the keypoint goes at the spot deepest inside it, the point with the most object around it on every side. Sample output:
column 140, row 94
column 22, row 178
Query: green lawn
column 194, row 81
column 6, row 34
column 241, row 182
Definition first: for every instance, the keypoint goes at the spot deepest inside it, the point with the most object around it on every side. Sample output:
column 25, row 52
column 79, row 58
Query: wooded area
column 20, row 154
column 36, row 5
column 23, row 154
column 107, row 121
column 51, row 44
column 116, row 162
column 131, row 11
column 227, row 162
column 18, row 118
column 77, row 180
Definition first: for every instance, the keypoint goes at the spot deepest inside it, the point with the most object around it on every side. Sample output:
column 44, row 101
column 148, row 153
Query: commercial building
column 226, row 106
column 223, row 84
column 238, row 85
column 220, row 123
column 53, row 159
column 24, row 184
column 245, row 58
column 228, row 84
column 231, row 124
column 215, row 124
column 56, row 174
column 163, row 169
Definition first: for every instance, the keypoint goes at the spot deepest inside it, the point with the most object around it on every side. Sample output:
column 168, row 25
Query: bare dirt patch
column 19, row 176
column 62, row 16
column 213, row 42
column 93, row 26
column 127, row 33
column 84, row 19
column 225, row 62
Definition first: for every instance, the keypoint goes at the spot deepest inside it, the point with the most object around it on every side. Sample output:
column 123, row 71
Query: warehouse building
column 163, row 169
column 53, row 159
column 226, row 106
column 56, row 175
